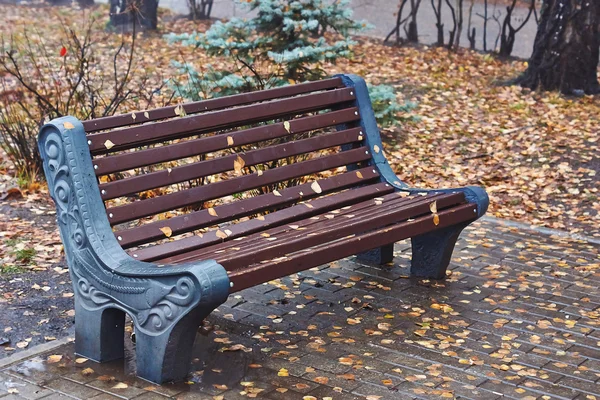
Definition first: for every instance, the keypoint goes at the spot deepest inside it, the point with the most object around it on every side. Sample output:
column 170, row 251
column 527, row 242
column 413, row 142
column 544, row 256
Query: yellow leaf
column 120, row 385
column 68, row 125
column 360, row 176
column 212, row 212
column 433, row 207
column 221, row 234
column 436, row 219
column 229, row 141
column 167, row 231
column 316, row 187
column 238, row 165
column 286, row 125
column 80, row 360
column 109, row 145
column 281, row 390
column 54, row 358
column 87, row 371
column 283, row 372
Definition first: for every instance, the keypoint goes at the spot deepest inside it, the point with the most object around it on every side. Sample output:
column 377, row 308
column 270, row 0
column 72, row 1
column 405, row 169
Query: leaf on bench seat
column 212, row 212
column 316, row 187
column 229, row 141
column 238, row 165
column 286, row 125
column 167, row 231
column 109, row 145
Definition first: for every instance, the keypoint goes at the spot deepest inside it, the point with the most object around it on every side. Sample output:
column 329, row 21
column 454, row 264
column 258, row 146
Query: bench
column 164, row 213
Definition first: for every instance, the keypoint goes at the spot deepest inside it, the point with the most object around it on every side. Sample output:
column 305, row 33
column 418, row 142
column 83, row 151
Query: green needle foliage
column 285, row 42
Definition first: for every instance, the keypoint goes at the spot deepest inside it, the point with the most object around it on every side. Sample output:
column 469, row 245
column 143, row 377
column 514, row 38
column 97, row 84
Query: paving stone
column 26, row 390
column 109, row 386
column 72, row 388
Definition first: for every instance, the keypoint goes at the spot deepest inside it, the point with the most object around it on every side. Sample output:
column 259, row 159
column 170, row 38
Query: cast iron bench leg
column 432, row 251
column 99, row 333
column 380, row 255
column 166, row 357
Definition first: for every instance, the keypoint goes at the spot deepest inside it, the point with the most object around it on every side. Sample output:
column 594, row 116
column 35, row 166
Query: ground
column 517, row 318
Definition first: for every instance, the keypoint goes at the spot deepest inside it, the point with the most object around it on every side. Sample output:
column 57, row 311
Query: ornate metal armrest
column 108, row 282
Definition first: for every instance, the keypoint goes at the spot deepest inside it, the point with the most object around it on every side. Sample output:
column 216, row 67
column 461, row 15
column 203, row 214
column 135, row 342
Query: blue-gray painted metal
column 166, row 303
column 473, row 194
column 431, row 252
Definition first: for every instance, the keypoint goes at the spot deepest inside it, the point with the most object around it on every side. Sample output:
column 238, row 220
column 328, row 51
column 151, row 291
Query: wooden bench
column 164, row 213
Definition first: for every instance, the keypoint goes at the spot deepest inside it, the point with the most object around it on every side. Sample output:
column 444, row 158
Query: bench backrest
column 264, row 150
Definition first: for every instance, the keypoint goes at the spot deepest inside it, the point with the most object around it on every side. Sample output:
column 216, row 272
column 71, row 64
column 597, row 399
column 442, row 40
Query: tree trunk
column 123, row 13
column 566, row 48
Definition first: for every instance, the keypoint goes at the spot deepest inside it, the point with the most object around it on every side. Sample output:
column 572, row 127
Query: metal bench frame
column 167, row 304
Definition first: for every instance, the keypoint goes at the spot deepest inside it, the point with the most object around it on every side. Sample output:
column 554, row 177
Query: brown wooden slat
column 312, row 257
column 218, row 165
column 210, row 104
column 257, row 248
column 188, row 245
column 311, row 226
column 189, row 148
column 172, row 201
column 159, row 131
column 299, row 216
column 195, row 220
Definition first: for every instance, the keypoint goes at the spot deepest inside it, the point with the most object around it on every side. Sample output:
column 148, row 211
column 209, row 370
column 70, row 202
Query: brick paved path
column 518, row 318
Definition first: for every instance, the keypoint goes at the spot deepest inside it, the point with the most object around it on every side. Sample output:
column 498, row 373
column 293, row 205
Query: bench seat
column 164, row 213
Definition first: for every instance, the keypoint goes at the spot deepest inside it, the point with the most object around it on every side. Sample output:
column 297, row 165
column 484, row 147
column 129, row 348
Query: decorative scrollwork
column 155, row 303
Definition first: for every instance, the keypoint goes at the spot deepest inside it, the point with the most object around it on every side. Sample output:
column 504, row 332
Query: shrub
column 288, row 41
column 43, row 78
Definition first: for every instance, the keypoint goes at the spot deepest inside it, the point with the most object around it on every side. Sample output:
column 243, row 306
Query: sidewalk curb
column 541, row 229
column 34, row 351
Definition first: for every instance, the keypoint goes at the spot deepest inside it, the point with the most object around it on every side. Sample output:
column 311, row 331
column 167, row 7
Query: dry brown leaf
column 436, row 219
column 211, row 211
column 433, row 207
column 54, row 358
column 229, row 141
column 238, row 165
column 220, row 234
column 68, row 125
column 166, row 230
column 87, row 371
column 359, row 175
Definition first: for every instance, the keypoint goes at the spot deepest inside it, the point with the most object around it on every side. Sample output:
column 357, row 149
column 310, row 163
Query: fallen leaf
column 238, row 165
column 54, row 358
column 68, row 125
column 109, row 145
column 167, row 231
column 212, row 212
column 286, row 125
column 120, row 385
column 316, row 187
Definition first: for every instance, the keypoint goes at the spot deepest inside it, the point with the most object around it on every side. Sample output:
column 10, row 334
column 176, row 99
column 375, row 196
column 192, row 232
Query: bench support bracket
column 381, row 255
column 432, row 251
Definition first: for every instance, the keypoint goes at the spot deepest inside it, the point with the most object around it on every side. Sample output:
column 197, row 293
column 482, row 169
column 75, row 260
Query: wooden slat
column 324, row 204
column 195, row 220
column 319, row 255
column 209, row 105
column 189, row 148
column 166, row 177
column 159, row 131
column 286, row 240
column 172, row 201
column 312, row 226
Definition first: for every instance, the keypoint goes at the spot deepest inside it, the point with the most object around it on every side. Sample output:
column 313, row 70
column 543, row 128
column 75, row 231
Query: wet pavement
column 517, row 318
